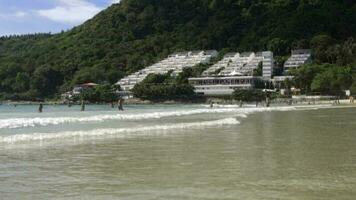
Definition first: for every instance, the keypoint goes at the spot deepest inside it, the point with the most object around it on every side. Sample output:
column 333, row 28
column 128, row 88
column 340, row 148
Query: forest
column 135, row 33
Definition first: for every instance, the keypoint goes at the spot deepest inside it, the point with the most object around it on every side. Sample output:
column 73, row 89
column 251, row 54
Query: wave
column 228, row 106
column 13, row 123
column 121, row 132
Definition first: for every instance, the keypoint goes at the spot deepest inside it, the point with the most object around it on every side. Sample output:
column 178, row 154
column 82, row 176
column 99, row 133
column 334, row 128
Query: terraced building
column 175, row 62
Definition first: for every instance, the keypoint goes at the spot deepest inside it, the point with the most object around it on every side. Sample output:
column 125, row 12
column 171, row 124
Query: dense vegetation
column 165, row 87
column 136, row 33
column 101, row 93
column 249, row 95
column 325, row 79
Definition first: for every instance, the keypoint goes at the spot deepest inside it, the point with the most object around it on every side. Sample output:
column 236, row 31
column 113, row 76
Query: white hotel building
column 220, row 86
column 297, row 59
column 234, row 71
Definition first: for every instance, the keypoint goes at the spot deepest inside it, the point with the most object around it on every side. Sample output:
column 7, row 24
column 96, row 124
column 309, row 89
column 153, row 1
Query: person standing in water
column 268, row 101
column 40, row 108
column 240, row 103
column 121, row 102
column 83, row 106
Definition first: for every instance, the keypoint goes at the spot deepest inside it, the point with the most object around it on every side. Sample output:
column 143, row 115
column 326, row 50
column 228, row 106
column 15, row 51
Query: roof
column 184, row 53
column 196, row 52
column 230, row 54
column 235, row 73
column 225, row 77
column 301, row 51
column 246, row 54
column 89, row 84
column 209, row 52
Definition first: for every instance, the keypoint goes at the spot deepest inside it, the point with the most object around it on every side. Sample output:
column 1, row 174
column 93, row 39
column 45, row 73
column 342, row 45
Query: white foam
column 121, row 132
column 13, row 123
column 228, row 106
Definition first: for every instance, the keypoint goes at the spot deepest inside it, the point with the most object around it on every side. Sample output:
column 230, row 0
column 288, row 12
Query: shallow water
column 177, row 152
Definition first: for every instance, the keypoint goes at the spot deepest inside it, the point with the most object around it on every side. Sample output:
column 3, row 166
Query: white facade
column 268, row 64
column 298, row 58
column 279, row 80
column 175, row 62
column 234, row 71
column 219, row 86
column 228, row 59
column 236, row 64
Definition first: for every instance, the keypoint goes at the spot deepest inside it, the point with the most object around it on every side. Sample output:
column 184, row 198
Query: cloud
column 115, row 1
column 70, row 11
column 18, row 14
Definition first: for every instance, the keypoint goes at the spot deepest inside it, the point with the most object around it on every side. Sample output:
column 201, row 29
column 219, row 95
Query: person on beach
column 83, row 106
column 211, row 104
column 121, row 102
column 290, row 102
column 40, row 108
column 267, row 102
column 334, row 103
column 240, row 104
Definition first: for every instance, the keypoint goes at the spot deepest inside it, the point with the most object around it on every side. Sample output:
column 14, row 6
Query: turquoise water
column 177, row 152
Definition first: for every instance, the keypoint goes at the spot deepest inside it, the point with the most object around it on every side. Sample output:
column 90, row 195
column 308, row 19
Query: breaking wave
column 13, row 123
column 120, row 132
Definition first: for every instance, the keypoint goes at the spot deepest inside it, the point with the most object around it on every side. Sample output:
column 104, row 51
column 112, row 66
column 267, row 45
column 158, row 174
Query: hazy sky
column 31, row 16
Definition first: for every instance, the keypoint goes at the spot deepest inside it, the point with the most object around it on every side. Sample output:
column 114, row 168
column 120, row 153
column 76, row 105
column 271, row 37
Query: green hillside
column 135, row 33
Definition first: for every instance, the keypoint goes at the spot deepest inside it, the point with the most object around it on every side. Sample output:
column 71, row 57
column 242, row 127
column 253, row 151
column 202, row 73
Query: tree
column 303, row 76
column 45, row 81
column 22, row 82
column 320, row 44
column 353, row 88
column 278, row 46
column 100, row 93
column 162, row 87
column 259, row 70
column 332, row 81
column 251, row 95
column 347, row 52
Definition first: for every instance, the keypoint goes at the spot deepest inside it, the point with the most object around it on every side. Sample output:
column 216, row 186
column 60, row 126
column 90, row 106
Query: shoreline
column 207, row 102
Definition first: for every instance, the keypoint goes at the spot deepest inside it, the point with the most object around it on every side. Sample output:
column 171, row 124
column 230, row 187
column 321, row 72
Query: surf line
column 121, row 132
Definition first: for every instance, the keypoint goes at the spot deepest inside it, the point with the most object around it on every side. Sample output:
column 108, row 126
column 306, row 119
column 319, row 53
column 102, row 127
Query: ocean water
column 178, row 152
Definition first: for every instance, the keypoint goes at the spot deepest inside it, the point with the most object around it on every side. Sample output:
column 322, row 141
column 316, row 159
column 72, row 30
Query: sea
column 178, row 152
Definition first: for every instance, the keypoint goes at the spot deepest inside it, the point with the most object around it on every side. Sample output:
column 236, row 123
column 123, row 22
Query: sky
column 44, row 16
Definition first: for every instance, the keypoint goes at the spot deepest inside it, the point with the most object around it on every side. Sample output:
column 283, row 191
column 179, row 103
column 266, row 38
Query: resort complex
column 234, row 71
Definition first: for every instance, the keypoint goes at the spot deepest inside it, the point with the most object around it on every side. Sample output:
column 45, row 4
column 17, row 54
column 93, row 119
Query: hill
column 135, row 33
